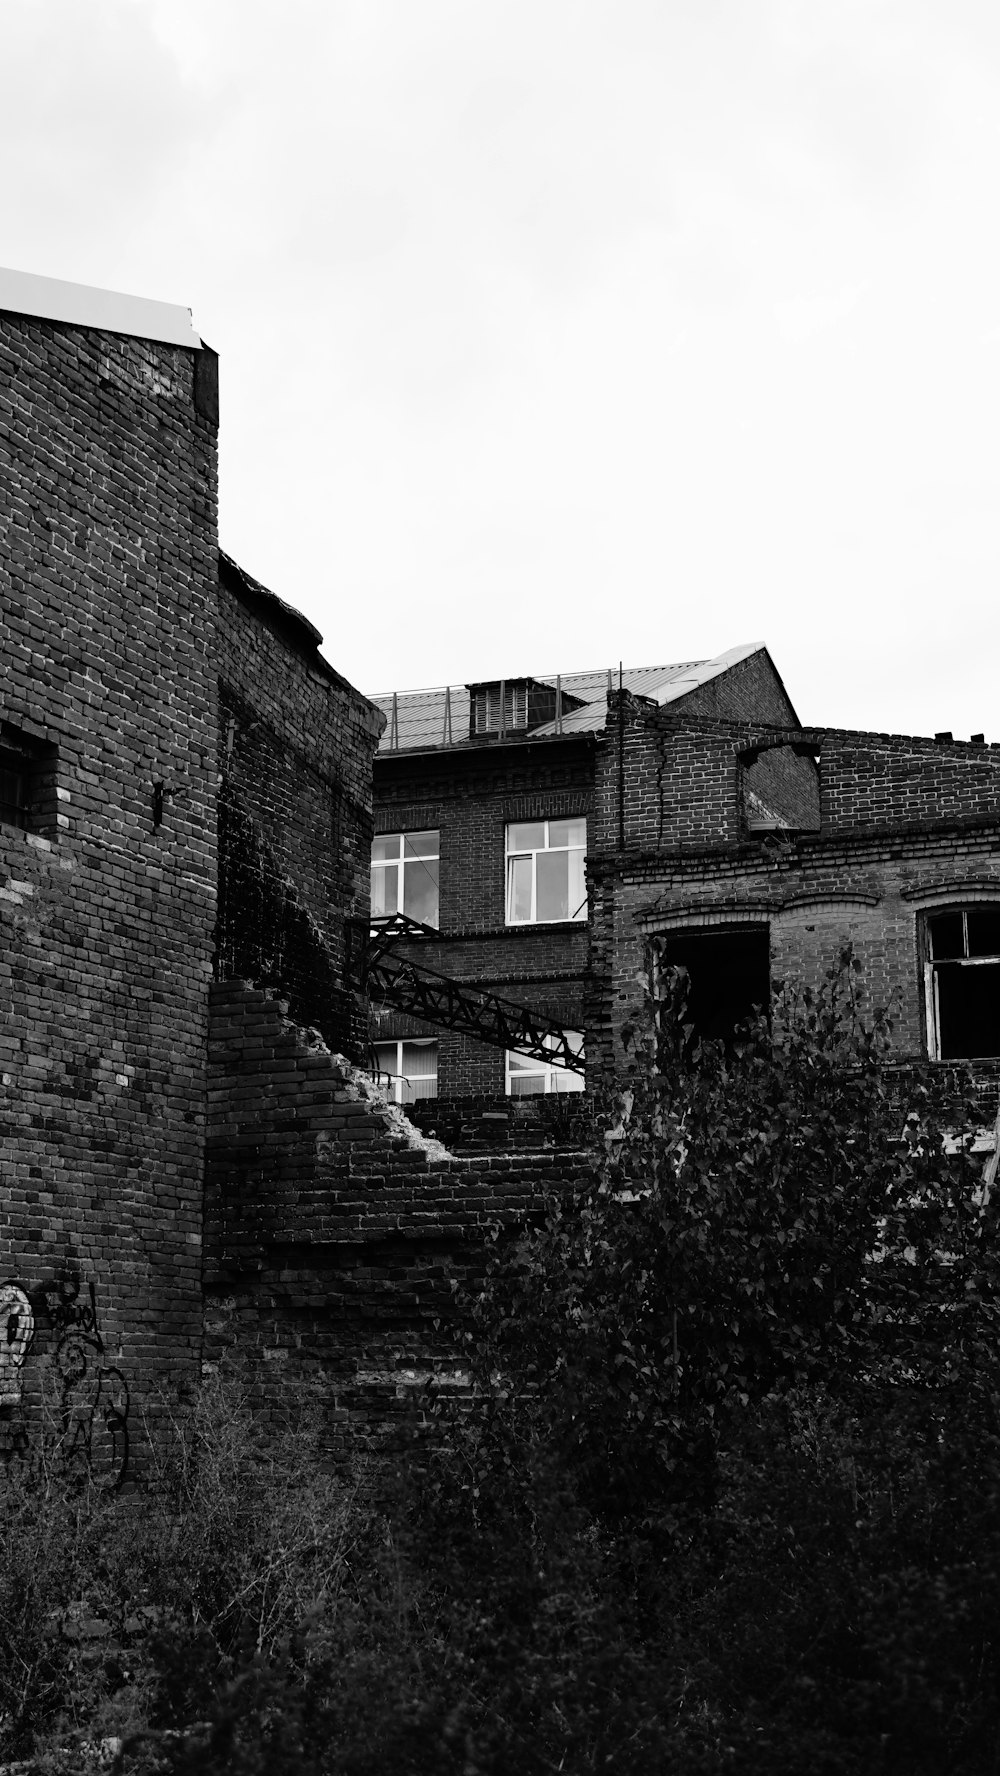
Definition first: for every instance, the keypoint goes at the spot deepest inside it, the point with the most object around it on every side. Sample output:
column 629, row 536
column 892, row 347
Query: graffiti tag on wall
column 84, row 1398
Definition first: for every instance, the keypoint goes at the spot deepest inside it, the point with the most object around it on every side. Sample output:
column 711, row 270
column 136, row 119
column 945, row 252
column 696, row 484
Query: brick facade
column 470, row 795
column 905, row 826
column 107, row 612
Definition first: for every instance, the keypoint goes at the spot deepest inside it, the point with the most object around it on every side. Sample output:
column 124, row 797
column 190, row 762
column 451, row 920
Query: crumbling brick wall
column 107, row 611
column 335, row 1234
column 906, row 824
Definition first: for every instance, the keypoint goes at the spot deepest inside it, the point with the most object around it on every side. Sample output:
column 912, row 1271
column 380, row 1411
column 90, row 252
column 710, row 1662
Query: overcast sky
column 555, row 333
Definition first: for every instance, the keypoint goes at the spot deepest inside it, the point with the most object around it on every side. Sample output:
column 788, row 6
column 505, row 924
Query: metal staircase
column 377, row 968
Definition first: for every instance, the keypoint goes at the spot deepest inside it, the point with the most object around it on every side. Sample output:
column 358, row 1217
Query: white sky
column 559, row 332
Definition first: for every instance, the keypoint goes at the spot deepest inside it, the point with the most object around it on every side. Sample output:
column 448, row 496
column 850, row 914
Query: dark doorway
column 729, row 974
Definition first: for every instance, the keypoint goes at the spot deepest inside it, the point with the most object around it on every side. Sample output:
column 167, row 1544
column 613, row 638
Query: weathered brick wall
column 906, row 825
column 893, row 780
column 682, row 778
column 297, row 743
column 107, row 609
column 335, row 1236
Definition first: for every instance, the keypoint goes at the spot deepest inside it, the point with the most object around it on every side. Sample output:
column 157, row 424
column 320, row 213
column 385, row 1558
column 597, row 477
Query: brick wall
column 683, row 778
column 107, row 608
column 297, row 743
column 335, row 1235
column 908, row 825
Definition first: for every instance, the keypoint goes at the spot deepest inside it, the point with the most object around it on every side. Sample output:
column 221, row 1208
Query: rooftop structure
column 535, row 708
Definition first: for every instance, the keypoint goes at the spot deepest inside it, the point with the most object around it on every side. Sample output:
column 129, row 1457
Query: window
column 411, row 1069
column 27, row 781
column 528, row 1077
column 545, row 871
column 405, row 876
column 729, row 976
column 963, row 983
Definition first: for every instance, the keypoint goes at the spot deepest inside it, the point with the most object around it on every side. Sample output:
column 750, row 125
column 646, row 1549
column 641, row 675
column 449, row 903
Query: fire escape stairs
column 378, row 969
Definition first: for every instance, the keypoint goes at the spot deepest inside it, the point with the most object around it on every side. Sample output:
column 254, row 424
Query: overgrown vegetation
column 729, row 1501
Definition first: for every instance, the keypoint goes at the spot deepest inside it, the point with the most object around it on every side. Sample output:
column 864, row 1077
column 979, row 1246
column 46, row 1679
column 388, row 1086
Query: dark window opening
column 729, row 976
column 27, row 781
column 963, row 982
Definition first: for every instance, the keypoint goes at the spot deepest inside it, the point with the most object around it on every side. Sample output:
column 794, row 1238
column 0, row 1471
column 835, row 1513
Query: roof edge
column 106, row 311
column 706, row 670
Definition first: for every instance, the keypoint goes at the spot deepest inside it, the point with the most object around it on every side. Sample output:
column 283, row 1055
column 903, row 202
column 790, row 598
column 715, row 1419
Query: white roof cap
column 52, row 299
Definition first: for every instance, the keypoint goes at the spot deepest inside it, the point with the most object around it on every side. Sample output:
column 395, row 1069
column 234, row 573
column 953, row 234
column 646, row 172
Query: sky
column 558, row 333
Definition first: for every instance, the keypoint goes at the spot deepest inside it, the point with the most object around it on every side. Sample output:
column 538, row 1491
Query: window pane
column 969, row 1003
column 384, row 846
column 984, row 931
column 563, row 1081
column 420, row 891
column 386, row 1056
column 946, row 935
column 420, row 844
column 577, row 886
column 384, row 891
column 552, row 891
column 519, row 890
column 12, row 797
column 518, row 1062
column 527, row 1085
column 567, row 832
column 420, row 1060
column 527, row 836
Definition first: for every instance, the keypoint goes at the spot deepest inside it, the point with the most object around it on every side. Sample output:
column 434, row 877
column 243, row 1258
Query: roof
column 422, row 715
column 82, row 305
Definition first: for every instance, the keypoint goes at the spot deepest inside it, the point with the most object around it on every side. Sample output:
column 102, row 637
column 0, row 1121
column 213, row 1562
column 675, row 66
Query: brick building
column 193, row 1161
column 192, row 1164
column 185, row 797
column 893, row 848
column 485, row 812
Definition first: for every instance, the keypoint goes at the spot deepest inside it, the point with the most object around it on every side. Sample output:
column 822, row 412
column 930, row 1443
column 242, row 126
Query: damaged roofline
column 290, row 625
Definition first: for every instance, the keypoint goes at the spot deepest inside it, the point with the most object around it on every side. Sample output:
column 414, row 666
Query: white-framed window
column 408, row 1068
column 528, row 1077
column 545, row 861
column 405, row 875
column 962, row 982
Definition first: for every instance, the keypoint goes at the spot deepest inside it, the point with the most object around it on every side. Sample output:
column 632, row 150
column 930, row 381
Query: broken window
column 728, row 975
column 529, row 1077
column 962, row 982
column 545, row 881
column 405, row 876
column 408, row 1069
column 27, row 781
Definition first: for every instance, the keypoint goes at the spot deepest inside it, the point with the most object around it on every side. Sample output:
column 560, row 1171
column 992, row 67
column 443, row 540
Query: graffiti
column 17, row 1327
column 84, row 1399
column 93, row 1394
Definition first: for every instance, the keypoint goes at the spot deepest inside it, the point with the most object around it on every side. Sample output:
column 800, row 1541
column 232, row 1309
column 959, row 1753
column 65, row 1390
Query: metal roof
column 109, row 311
column 422, row 715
